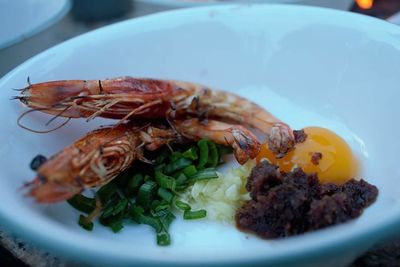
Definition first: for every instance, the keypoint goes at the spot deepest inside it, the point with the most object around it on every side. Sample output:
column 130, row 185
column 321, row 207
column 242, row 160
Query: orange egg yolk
column 336, row 163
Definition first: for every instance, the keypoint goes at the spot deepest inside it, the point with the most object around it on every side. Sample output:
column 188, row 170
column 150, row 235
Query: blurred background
column 31, row 26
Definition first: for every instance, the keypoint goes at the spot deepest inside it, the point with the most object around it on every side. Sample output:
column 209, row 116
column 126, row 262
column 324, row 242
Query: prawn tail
column 245, row 145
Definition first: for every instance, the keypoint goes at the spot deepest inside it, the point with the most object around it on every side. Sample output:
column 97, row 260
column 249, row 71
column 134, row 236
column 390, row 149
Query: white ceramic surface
column 21, row 19
column 309, row 66
column 336, row 4
column 27, row 28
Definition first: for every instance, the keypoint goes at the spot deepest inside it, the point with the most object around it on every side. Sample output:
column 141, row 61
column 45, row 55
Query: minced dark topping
column 299, row 136
column 286, row 204
column 316, row 157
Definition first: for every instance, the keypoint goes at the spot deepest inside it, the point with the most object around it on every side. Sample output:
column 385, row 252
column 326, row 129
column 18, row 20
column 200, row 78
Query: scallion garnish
column 134, row 184
column 209, row 173
column 146, row 193
column 213, row 157
column 182, row 178
column 163, row 238
column 150, row 195
column 85, row 223
column 193, row 215
column 116, row 226
column 82, row 203
column 203, row 146
column 165, row 181
column 106, row 192
column 165, row 194
column 182, row 205
column 191, row 153
column 177, row 165
column 190, row 170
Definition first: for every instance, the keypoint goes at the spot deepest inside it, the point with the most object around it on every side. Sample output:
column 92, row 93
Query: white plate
column 309, row 66
column 21, row 19
column 337, row 4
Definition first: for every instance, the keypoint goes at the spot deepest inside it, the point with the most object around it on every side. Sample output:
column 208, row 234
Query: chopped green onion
column 82, row 203
column 84, row 223
column 181, row 187
column 213, row 157
column 209, row 173
column 160, row 167
column 193, row 215
column 148, row 178
column 120, row 206
column 162, row 205
column 182, row 205
column 224, row 150
column 190, row 170
column 163, row 238
column 165, row 194
column 191, row 153
column 153, row 222
column 139, row 217
column 166, row 217
column 106, row 192
column 203, row 146
column 153, row 197
column 146, row 192
column 122, row 179
column 162, row 156
column 181, row 179
column 134, row 184
column 136, row 212
column 175, row 156
column 108, row 210
column 177, row 165
column 116, row 226
column 165, row 181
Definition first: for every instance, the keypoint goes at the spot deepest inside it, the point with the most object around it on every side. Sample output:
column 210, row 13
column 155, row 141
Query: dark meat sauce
column 286, row 204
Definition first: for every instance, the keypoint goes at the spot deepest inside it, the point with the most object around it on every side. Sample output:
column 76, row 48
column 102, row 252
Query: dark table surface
column 384, row 254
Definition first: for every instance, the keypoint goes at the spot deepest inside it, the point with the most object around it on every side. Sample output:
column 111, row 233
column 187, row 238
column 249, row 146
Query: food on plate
column 101, row 155
column 220, row 197
column 130, row 98
column 148, row 193
column 285, row 204
column 318, row 151
column 148, row 165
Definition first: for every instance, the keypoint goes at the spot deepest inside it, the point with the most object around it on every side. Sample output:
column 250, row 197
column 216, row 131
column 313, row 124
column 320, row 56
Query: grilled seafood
column 101, row 155
column 131, row 98
column 244, row 143
column 94, row 160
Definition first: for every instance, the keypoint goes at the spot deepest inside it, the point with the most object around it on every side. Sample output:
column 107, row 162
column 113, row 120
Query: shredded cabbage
column 221, row 197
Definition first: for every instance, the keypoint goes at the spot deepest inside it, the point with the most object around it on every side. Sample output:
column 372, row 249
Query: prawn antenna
column 56, row 116
column 38, row 131
column 19, row 89
column 23, row 88
column 23, row 99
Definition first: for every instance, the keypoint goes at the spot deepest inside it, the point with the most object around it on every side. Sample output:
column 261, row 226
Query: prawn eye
column 323, row 152
column 37, row 162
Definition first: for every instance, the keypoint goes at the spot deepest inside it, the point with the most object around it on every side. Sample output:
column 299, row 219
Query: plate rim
column 375, row 232
column 64, row 9
column 191, row 3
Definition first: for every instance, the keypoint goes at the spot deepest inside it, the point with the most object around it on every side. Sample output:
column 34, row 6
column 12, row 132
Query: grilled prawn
column 131, row 98
column 101, row 155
